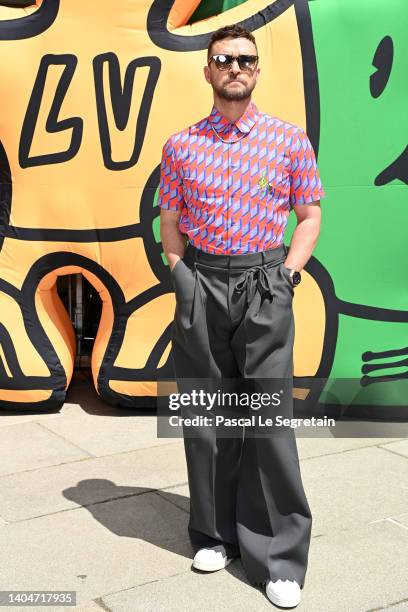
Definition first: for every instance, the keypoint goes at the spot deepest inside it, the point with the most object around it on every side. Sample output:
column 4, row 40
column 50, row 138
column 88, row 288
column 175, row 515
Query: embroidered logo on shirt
column 263, row 182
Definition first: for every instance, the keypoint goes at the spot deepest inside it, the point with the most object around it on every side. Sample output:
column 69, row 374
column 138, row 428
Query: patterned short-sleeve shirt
column 235, row 183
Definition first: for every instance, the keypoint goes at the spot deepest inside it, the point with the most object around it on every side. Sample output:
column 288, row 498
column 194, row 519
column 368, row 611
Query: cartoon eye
column 383, row 62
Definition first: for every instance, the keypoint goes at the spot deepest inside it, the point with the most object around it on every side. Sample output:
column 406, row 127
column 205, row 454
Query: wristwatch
column 295, row 277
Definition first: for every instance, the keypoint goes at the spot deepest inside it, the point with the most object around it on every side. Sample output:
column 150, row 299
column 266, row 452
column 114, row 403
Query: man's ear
column 207, row 74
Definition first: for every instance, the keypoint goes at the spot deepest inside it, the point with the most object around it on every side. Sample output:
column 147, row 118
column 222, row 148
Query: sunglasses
column 245, row 62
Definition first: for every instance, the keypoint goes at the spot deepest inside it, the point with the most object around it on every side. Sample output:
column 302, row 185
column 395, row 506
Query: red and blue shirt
column 235, row 183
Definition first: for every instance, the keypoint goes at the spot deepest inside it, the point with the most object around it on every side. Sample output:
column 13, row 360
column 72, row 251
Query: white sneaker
column 285, row 594
column 211, row 559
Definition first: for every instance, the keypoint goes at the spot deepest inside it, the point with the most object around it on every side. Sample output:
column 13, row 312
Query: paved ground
column 92, row 501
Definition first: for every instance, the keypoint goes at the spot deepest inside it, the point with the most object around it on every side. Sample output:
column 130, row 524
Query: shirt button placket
column 229, row 197
column 233, row 167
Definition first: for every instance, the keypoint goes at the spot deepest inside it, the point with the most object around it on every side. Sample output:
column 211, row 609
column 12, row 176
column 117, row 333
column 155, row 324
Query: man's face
column 233, row 83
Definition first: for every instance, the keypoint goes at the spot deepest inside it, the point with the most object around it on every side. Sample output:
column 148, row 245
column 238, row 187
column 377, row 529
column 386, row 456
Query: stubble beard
column 230, row 94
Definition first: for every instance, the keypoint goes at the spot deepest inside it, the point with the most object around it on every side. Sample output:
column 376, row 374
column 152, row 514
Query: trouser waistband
column 242, row 260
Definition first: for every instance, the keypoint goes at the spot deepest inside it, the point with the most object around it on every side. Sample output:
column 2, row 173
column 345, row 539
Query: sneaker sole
column 204, row 567
column 283, row 603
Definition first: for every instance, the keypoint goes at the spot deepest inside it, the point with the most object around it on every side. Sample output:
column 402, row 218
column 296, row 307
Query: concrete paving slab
column 195, row 592
column 87, row 606
column 353, row 428
column 310, row 447
column 400, row 447
column 402, row 607
column 114, row 552
column 344, row 490
column 178, row 495
column 105, row 435
column 357, row 570
column 53, row 489
column 354, row 571
column 12, row 417
column 402, row 518
column 29, row 446
column 106, row 547
column 354, row 488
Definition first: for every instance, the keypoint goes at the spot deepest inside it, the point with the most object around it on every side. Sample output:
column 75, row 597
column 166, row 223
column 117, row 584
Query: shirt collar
column 244, row 123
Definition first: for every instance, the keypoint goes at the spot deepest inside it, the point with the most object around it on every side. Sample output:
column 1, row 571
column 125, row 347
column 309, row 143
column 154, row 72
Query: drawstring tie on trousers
column 253, row 279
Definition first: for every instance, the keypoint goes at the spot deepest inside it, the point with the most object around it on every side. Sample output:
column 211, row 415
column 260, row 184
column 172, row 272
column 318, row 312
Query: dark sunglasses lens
column 223, row 61
column 247, row 62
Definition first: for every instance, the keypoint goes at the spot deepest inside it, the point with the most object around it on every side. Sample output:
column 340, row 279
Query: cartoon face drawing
column 362, row 148
column 362, row 66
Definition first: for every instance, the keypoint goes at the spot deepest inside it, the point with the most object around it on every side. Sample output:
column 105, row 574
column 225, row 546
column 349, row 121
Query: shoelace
column 253, row 279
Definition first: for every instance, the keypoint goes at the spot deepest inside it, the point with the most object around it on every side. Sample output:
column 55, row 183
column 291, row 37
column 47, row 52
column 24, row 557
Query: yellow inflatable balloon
column 89, row 94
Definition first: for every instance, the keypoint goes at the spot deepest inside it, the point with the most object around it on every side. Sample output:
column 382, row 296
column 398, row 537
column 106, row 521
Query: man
column 228, row 184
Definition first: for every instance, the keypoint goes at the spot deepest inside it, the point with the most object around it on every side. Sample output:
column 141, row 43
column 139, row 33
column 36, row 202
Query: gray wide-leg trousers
column 234, row 319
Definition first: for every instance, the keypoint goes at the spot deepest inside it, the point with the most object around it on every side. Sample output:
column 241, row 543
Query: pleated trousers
column 234, row 320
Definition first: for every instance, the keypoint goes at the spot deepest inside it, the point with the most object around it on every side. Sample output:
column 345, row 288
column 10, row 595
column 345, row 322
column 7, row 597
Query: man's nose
column 235, row 66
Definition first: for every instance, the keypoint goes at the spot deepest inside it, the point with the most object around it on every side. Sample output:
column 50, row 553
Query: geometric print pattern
column 236, row 196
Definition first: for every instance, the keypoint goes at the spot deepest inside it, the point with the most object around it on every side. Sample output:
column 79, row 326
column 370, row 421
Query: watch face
column 296, row 278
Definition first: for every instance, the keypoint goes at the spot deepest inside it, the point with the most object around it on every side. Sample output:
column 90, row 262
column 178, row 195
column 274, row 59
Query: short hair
column 230, row 31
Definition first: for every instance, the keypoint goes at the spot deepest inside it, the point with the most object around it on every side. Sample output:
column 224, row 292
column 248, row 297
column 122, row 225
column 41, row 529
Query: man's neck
column 231, row 109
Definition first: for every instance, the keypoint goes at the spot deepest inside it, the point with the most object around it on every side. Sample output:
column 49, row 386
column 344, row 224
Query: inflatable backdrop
column 89, row 93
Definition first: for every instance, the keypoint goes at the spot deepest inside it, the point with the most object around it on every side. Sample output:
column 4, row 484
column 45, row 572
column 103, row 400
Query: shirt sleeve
column 306, row 186
column 170, row 187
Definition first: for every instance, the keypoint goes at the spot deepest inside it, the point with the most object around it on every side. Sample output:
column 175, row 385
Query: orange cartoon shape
column 90, row 92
